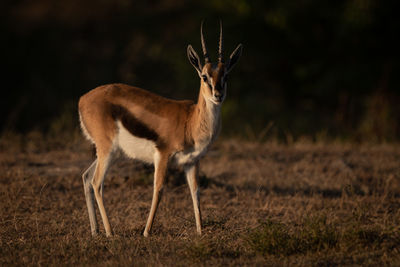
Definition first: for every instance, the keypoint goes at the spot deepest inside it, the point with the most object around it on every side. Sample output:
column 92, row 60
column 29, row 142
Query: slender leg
column 99, row 175
column 101, row 189
column 87, row 178
column 191, row 176
column 160, row 168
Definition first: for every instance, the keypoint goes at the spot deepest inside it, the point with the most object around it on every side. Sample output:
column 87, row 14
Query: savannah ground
column 262, row 204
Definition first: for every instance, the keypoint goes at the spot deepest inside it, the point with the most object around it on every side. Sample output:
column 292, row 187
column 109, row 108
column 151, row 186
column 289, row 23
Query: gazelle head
column 213, row 76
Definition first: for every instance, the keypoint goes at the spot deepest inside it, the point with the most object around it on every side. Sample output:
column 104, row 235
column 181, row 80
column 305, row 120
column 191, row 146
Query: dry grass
column 262, row 204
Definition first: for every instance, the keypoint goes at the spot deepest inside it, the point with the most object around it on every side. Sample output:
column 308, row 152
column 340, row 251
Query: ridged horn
column 221, row 44
column 203, row 45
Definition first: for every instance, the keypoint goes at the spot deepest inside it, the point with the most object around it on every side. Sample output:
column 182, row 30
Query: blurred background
column 310, row 69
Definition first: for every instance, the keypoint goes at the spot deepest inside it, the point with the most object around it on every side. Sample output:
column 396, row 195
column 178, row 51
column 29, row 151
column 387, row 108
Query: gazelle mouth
column 218, row 100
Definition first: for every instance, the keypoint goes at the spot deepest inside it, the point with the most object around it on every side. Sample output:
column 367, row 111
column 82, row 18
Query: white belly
column 134, row 147
column 145, row 150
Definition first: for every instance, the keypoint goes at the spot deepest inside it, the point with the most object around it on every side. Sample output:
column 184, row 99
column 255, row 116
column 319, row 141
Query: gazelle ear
column 233, row 59
column 194, row 59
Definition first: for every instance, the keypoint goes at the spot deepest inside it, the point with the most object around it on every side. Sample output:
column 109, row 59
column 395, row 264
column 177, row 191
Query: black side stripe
column 135, row 126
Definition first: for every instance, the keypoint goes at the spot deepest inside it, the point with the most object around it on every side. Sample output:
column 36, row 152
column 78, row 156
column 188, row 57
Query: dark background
column 309, row 68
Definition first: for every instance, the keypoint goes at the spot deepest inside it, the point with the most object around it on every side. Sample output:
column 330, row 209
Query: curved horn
column 221, row 44
column 203, row 45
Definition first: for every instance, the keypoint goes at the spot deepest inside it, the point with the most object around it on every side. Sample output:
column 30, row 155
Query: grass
column 275, row 238
column 262, row 204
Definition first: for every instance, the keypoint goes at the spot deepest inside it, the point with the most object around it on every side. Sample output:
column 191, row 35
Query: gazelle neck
column 205, row 119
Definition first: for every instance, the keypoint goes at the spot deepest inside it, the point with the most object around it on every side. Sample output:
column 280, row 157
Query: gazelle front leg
column 160, row 168
column 192, row 179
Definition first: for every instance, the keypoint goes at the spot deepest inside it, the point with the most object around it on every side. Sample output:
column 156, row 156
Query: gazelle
column 154, row 129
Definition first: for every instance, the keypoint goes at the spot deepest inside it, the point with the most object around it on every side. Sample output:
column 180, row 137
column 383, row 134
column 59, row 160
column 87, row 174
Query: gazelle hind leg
column 160, row 168
column 87, row 178
column 192, row 176
column 98, row 180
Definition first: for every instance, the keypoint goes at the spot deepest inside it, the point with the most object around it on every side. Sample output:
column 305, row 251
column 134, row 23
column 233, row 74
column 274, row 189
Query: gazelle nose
column 218, row 96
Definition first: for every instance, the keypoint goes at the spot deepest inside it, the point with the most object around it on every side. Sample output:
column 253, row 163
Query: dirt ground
column 262, row 204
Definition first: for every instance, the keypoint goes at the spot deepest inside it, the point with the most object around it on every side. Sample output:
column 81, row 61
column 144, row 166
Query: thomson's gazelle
column 154, row 129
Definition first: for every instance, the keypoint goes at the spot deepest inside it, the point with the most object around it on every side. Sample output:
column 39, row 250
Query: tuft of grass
column 199, row 250
column 279, row 239
column 371, row 236
column 272, row 238
column 315, row 235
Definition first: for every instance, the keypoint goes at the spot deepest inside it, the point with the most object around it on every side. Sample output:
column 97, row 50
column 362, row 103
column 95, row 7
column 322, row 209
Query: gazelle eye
column 204, row 78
